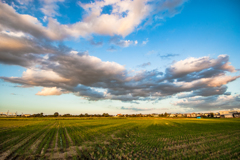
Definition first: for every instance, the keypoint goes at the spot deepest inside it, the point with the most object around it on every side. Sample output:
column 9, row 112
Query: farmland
column 119, row 138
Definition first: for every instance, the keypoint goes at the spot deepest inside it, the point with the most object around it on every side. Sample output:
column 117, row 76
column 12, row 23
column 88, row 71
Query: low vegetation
column 119, row 138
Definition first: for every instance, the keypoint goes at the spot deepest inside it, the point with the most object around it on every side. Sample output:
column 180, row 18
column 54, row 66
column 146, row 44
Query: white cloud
column 46, row 57
column 122, row 43
column 73, row 52
column 151, row 52
column 197, row 64
column 210, row 103
column 207, row 82
column 49, row 91
column 34, row 76
column 15, row 34
column 145, row 42
column 50, row 8
column 14, row 22
column 125, row 43
column 8, row 42
column 22, row 2
column 136, row 10
column 45, row 19
column 78, row 72
column 125, row 17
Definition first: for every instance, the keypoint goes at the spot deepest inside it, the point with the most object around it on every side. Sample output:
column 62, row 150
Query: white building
column 227, row 114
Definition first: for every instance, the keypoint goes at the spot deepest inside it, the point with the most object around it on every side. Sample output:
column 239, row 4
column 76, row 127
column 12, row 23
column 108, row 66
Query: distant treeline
column 56, row 114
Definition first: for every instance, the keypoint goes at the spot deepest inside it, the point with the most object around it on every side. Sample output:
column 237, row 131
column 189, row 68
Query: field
column 119, row 138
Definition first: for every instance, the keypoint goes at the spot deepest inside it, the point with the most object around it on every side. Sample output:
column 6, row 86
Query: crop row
column 19, row 147
column 121, row 139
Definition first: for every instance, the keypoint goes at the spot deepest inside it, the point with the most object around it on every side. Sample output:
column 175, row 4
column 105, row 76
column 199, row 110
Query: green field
column 119, row 138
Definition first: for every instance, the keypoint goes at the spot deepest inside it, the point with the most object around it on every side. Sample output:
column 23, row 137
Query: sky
column 119, row 56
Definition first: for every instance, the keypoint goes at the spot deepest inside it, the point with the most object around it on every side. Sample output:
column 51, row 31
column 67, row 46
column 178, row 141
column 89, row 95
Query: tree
column 161, row 115
column 211, row 114
column 165, row 114
column 56, row 114
column 41, row 114
column 105, row 115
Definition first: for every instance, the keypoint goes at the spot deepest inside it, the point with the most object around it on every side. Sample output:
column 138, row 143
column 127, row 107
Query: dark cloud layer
column 23, row 50
column 70, row 70
column 15, row 22
column 206, row 92
column 80, row 73
column 210, row 103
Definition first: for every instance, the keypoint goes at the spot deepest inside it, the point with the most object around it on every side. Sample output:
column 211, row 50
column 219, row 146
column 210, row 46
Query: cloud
column 14, row 22
column 200, row 82
column 37, row 77
column 44, row 19
column 49, row 91
column 82, row 74
column 88, row 93
column 145, row 42
column 137, row 109
column 9, row 18
column 99, row 43
column 158, row 84
column 49, row 65
column 151, row 52
column 124, row 18
column 210, row 103
column 205, row 92
column 121, row 43
column 19, row 49
column 22, row 2
column 50, row 7
column 167, row 56
column 145, row 64
column 170, row 6
column 227, row 93
column 85, row 69
column 202, row 67
column 58, row 68
column 111, row 49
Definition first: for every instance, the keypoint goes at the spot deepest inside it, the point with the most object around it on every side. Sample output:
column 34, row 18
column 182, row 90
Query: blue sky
column 137, row 56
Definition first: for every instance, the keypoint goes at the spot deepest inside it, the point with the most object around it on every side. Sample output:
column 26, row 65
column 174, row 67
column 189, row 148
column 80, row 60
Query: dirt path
column 55, row 154
column 38, row 141
column 70, row 140
column 56, row 143
column 14, row 138
column 72, row 149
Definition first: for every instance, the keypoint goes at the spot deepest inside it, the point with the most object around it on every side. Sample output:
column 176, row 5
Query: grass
column 119, row 138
